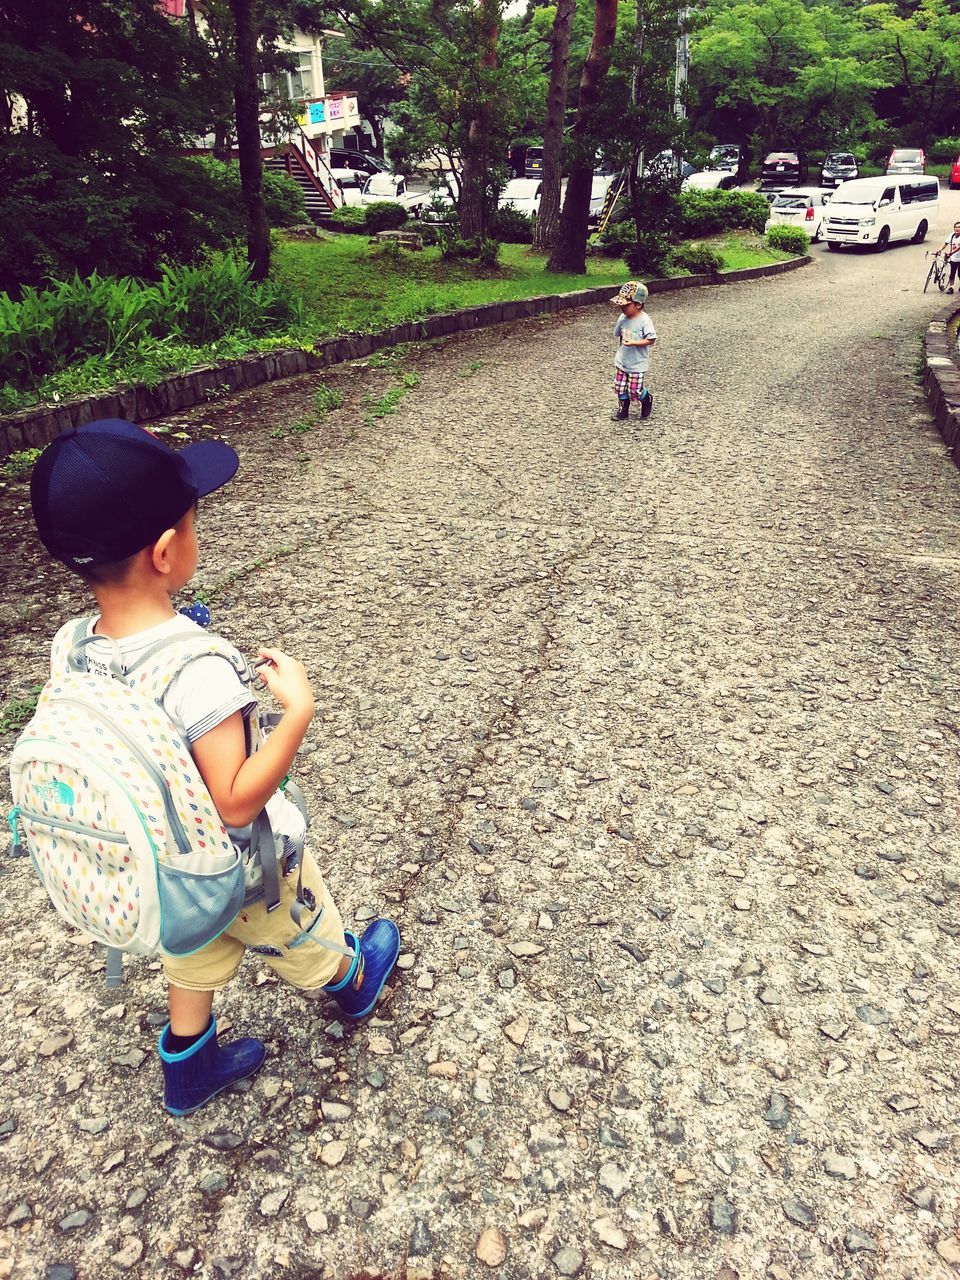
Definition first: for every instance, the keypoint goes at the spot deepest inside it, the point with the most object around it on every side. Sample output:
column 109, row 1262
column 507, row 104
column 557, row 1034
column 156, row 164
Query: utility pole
column 683, row 64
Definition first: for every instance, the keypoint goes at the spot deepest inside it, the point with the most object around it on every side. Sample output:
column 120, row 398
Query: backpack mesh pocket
column 196, row 906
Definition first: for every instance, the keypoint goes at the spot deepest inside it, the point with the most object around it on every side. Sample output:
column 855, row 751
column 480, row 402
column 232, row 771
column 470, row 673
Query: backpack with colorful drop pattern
column 112, row 809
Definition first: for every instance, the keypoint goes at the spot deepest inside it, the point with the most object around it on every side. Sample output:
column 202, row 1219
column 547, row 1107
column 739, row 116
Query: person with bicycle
column 951, row 249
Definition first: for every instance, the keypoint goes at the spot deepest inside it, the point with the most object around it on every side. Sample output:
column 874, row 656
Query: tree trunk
column 246, row 97
column 548, row 215
column 476, row 162
column 570, row 251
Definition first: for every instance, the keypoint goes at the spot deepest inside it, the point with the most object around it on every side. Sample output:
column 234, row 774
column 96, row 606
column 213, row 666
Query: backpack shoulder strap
column 156, row 669
column 65, row 642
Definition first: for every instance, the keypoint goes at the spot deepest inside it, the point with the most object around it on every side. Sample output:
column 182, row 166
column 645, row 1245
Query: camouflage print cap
column 632, row 291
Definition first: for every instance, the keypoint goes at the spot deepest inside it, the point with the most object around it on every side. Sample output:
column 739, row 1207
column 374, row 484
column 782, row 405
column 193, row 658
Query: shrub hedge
column 788, row 239
column 385, row 215
column 698, row 259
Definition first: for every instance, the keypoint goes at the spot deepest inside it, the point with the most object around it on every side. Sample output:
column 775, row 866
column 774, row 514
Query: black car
column 358, row 161
column 838, row 166
column 781, row 169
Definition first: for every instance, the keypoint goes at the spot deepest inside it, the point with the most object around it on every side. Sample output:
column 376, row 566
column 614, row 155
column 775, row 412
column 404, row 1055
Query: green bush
column 788, row 239
column 698, row 259
column 650, row 255
column 476, row 249
column 512, row 226
column 943, row 151
column 350, row 216
column 385, row 215
column 105, row 319
column 618, row 238
column 708, row 213
column 282, row 196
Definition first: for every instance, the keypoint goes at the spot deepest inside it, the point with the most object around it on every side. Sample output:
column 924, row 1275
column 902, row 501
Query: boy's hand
column 287, row 680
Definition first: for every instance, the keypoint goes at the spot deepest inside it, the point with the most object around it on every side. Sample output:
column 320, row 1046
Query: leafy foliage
column 385, row 215
column 479, row 249
column 106, row 320
column 788, row 239
column 707, row 213
column 695, row 258
column 650, row 255
column 512, row 226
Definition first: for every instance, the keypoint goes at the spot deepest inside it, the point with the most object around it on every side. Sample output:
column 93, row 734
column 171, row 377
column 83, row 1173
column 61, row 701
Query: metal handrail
column 317, row 165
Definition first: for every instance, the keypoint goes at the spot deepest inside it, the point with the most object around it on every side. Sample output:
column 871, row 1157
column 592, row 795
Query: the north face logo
column 53, row 792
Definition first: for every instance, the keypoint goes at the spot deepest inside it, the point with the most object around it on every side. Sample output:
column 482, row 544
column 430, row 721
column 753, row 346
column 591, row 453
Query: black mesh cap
column 104, row 491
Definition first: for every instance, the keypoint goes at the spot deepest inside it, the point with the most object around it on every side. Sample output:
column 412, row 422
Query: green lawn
column 347, row 284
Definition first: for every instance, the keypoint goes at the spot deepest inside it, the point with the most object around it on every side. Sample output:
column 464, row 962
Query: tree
column 548, row 214
column 919, row 51
column 100, row 98
column 570, row 252
column 246, row 95
column 378, row 84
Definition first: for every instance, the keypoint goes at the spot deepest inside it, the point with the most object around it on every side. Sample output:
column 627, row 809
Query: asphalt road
column 647, row 734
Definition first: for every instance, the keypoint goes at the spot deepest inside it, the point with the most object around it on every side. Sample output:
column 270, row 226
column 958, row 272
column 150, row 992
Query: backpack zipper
column 163, row 786
column 40, row 819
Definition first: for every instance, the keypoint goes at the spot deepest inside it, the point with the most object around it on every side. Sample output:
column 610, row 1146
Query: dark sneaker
column 646, row 405
column 376, row 954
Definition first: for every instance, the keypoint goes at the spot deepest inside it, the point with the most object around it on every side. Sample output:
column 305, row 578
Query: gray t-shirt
column 633, row 359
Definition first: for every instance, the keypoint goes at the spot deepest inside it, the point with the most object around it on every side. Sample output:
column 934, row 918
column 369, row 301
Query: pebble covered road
column 647, row 734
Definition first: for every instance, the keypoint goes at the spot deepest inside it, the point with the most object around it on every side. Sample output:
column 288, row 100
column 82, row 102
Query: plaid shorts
column 627, row 385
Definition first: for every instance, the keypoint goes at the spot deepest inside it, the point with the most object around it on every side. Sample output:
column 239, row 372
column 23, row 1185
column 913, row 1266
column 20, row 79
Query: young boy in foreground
column 118, row 507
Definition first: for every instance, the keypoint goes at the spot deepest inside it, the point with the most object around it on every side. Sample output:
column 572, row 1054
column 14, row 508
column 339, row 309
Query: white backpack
column 113, row 811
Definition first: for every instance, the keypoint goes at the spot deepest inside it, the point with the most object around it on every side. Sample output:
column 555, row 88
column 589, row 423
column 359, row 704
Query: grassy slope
column 345, row 288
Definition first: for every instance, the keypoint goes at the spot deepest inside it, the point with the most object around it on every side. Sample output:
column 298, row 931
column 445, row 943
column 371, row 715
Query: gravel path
column 648, row 737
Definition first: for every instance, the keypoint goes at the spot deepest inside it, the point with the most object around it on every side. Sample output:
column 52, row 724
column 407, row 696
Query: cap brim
column 211, row 464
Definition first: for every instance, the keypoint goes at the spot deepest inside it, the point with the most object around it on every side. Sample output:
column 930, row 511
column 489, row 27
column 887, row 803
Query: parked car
column 782, row 169
column 533, row 167
column 804, row 207
column 391, row 186
column 350, row 184
column 709, row 180
column 523, row 194
column 358, row 161
column 907, row 160
column 838, row 166
column 878, row 211
column 730, row 156
column 955, row 174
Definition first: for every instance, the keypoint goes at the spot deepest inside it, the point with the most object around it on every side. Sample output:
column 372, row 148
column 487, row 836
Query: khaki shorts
column 298, row 957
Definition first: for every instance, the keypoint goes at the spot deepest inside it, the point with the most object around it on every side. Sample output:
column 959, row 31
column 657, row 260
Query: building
column 325, row 116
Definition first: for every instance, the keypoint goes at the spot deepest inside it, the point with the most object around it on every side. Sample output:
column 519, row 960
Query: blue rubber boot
column 646, row 404
column 193, row 1077
column 375, row 954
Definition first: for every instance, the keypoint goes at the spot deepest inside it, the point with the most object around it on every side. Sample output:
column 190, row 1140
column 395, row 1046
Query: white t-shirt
column 204, row 694
column 954, row 242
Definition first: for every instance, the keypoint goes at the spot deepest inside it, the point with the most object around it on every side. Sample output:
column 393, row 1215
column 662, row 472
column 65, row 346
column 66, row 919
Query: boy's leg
column 189, row 1011
column 195, row 1066
column 621, row 385
column 299, row 955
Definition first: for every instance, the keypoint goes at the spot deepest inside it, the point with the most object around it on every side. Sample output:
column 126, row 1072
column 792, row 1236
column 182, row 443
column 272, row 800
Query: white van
column 878, row 211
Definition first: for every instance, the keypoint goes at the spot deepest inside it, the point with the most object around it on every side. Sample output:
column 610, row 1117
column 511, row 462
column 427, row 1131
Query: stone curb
column 35, row 427
column 941, row 377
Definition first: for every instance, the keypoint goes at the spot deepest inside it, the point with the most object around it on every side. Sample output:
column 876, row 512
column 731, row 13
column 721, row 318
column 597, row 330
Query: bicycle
column 937, row 272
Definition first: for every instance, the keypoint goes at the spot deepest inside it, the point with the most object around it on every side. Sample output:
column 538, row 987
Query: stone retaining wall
column 35, row 427
column 941, row 377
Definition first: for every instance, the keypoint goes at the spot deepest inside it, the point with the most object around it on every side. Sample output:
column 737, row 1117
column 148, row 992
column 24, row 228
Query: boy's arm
column 240, row 785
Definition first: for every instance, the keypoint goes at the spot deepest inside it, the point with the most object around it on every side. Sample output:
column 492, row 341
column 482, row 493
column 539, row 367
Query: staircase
column 299, row 161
